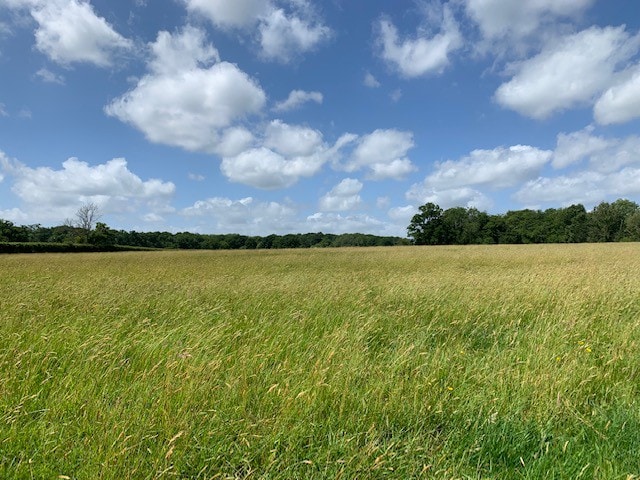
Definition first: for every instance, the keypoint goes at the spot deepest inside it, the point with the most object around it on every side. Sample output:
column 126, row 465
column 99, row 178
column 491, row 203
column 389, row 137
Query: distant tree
column 86, row 217
column 426, row 227
column 607, row 221
column 102, row 235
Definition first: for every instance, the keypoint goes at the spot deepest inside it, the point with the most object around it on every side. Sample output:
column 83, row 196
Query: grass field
column 436, row 362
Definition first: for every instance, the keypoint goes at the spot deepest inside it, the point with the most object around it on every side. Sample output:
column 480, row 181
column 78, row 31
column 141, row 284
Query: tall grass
column 435, row 362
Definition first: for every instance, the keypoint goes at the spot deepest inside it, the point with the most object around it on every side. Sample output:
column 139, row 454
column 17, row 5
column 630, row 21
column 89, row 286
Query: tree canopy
column 607, row 222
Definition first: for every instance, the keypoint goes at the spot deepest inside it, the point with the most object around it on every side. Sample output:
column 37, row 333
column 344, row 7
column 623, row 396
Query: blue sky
column 280, row 116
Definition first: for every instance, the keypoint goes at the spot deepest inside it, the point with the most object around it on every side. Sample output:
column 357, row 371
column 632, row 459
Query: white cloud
column 610, row 169
column 48, row 76
column 452, row 197
column 515, row 19
column 70, row 31
column 384, row 154
column 498, row 168
column 342, row 197
column 296, row 99
column 183, row 101
column 585, row 187
column 420, row 55
column 282, row 36
column 225, row 13
column 233, row 141
column 244, row 216
column 570, row 71
column 175, row 54
column 196, row 177
column 51, row 194
column 621, row 102
column 285, row 28
column 285, row 154
column 370, row 81
column 3, row 110
column 604, row 155
column 269, row 170
column 402, row 215
column 292, row 140
column 574, row 147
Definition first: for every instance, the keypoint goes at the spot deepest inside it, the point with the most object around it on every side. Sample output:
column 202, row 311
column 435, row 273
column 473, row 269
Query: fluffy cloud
column 285, row 28
column 55, row 194
column 621, row 102
column 283, row 36
column 70, row 31
column 285, row 154
column 516, row 19
column 269, row 170
column 384, row 154
column 570, row 71
column 184, row 100
column 610, row 169
column 223, row 13
column 451, row 197
column 296, row 99
column 604, row 155
column 244, row 216
column 574, row 147
column 292, row 140
column 344, row 196
column 421, row 55
column 498, row 168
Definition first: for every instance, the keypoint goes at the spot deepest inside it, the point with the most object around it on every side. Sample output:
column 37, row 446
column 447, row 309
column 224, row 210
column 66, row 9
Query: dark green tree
column 426, row 227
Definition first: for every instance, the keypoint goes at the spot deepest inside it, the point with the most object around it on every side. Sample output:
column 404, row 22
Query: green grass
column 436, row 362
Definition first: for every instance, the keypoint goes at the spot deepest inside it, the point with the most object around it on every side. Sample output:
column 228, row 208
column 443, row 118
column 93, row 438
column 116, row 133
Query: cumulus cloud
column 296, row 99
column 606, row 167
column 383, row 154
column 402, row 215
column 285, row 28
column 292, row 140
column 283, row 36
column 621, row 102
column 244, row 215
column 269, row 170
column 70, row 31
column 498, row 168
column 285, row 154
column 568, row 72
column 51, row 194
column 603, row 154
column 423, row 54
column 187, row 99
column 226, row 14
column 515, row 19
column 449, row 197
column 342, row 197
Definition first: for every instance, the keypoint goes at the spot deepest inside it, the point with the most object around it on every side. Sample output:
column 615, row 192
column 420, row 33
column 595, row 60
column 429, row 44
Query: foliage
column 450, row 362
column 618, row 221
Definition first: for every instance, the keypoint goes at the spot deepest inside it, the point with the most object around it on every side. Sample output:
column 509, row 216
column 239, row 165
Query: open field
column 409, row 362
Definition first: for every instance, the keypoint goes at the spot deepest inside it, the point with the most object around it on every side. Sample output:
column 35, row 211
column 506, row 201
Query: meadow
column 406, row 362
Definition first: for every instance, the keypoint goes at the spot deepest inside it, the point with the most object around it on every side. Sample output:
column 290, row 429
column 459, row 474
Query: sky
column 334, row 116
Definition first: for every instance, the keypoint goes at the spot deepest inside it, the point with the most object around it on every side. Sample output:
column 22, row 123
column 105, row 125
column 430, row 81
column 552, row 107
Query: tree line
column 102, row 235
column 607, row 222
